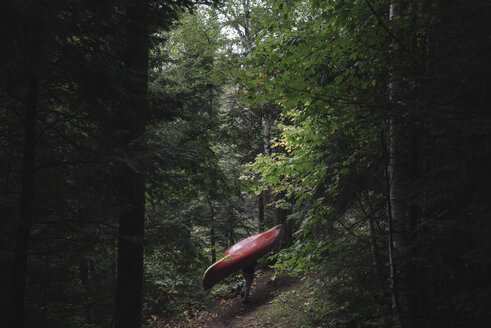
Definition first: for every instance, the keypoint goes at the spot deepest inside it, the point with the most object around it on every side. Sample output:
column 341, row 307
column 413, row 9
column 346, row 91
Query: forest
column 139, row 139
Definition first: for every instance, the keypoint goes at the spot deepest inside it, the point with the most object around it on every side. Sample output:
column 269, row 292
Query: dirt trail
column 233, row 314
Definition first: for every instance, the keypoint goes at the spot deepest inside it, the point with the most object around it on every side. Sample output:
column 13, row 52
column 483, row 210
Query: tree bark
column 260, row 206
column 212, row 234
column 246, row 40
column 18, row 296
column 401, row 226
column 267, row 152
column 400, row 180
column 266, row 127
column 374, row 249
column 280, row 217
column 279, row 213
column 130, row 254
column 128, row 312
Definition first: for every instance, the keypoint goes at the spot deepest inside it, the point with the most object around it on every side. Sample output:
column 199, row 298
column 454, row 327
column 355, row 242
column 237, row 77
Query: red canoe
column 244, row 253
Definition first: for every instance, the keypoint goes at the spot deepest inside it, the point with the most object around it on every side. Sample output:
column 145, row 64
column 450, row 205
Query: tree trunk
column 260, row 206
column 18, row 291
column 212, row 234
column 372, row 236
column 46, row 292
column 231, row 235
column 246, row 40
column 267, row 152
column 279, row 213
column 266, row 126
column 280, row 217
column 401, row 224
column 374, row 249
column 130, row 254
column 128, row 312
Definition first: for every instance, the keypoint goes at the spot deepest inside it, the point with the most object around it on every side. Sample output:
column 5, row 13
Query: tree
column 401, row 178
column 328, row 72
column 76, row 70
column 130, row 132
column 31, row 44
column 128, row 311
column 248, row 21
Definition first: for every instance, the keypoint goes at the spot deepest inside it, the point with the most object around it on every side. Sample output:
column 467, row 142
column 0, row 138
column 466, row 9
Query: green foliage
column 329, row 302
column 343, row 288
column 173, row 283
column 286, row 98
column 195, row 206
column 326, row 65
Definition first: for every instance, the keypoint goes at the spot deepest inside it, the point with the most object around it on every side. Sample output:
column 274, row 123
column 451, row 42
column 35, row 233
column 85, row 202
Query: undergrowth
column 324, row 304
column 341, row 288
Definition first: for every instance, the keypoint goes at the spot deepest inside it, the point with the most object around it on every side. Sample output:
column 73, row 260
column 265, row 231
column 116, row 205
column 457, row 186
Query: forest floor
column 232, row 313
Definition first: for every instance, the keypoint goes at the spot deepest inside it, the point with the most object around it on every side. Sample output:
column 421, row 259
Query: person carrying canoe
column 243, row 254
column 248, row 272
column 243, row 287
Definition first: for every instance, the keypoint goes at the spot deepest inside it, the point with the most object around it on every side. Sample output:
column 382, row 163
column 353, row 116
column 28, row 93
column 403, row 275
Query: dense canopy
column 139, row 139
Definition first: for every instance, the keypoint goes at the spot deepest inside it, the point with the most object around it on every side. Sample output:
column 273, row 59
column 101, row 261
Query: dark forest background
column 141, row 138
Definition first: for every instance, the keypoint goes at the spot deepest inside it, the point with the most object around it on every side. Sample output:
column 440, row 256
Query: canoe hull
column 243, row 253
